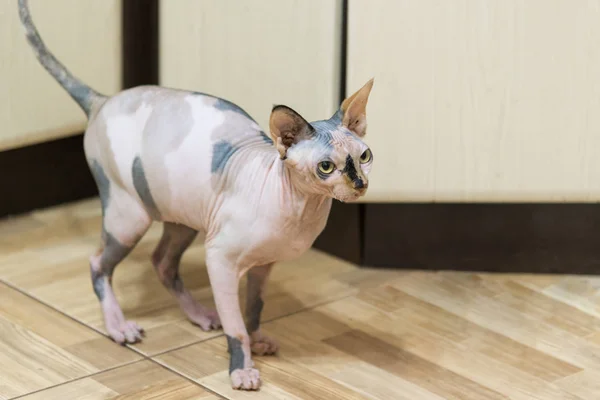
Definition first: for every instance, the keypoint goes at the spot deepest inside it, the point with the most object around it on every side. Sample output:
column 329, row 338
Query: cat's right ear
column 354, row 109
column 288, row 128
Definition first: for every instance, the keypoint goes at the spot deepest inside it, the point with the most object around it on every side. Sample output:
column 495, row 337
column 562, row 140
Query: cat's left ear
column 354, row 110
column 288, row 128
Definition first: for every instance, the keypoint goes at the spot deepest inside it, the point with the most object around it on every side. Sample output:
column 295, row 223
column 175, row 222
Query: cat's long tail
column 84, row 95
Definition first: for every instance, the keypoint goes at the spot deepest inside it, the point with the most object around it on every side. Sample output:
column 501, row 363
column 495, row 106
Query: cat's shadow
column 303, row 330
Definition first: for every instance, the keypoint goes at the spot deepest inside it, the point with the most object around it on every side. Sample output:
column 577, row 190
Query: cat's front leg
column 257, row 279
column 224, row 279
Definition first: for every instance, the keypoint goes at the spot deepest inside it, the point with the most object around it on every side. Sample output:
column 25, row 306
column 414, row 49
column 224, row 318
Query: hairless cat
column 202, row 166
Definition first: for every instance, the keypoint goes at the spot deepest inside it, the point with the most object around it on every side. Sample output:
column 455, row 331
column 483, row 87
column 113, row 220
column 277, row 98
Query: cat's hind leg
column 124, row 222
column 166, row 259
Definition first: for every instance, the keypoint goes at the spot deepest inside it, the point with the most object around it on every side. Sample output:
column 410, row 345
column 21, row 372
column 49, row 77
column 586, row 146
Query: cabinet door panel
column 256, row 53
column 491, row 100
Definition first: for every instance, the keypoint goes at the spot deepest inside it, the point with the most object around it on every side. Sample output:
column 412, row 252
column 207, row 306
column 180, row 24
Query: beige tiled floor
column 344, row 332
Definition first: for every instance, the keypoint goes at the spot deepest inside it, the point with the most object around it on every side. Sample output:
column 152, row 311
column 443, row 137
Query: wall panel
column 491, row 100
column 256, row 54
column 85, row 35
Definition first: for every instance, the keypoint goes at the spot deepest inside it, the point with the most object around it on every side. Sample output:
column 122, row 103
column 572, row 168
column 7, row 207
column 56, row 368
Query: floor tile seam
column 188, row 379
column 151, row 357
column 70, row 317
column 79, row 378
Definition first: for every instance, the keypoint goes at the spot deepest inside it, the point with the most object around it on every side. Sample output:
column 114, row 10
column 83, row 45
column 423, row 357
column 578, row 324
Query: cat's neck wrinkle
column 298, row 193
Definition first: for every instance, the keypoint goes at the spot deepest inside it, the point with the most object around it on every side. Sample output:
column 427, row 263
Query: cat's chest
column 292, row 238
column 280, row 236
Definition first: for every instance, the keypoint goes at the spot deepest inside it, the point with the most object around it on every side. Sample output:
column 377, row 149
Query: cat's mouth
column 352, row 196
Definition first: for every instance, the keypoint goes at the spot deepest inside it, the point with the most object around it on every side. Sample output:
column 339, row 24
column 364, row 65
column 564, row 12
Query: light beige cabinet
column 255, row 53
column 85, row 35
column 492, row 100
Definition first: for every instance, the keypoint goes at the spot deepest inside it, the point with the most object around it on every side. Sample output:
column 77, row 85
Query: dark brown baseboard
column 44, row 175
column 532, row 238
column 343, row 234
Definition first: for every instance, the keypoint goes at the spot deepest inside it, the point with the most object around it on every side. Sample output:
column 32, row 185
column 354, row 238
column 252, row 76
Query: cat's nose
column 360, row 184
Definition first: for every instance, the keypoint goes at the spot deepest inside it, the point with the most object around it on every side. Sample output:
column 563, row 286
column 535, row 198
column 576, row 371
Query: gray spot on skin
column 168, row 125
column 112, row 254
column 234, row 347
column 130, row 101
column 266, row 138
column 222, row 152
column 102, row 183
column 170, row 122
column 98, row 283
column 254, row 302
column 113, row 251
column 177, row 285
column 225, row 105
column 329, row 125
column 177, row 239
column 143, row 189
column 325, row 128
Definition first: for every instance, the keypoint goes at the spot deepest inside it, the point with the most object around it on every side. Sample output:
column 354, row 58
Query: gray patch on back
column 222, row 152
column 266, row 138
column 169, row 123
column 225, row 105
column 143, row 189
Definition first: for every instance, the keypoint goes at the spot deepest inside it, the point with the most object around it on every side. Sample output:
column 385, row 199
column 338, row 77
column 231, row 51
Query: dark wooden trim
column 140, row 25
column 343, row 51
column 342, row 236
column 44, row 175
column 532, row 238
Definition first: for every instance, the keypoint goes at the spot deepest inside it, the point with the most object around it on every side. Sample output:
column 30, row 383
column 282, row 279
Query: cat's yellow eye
column 366, row 156
column 326, row 167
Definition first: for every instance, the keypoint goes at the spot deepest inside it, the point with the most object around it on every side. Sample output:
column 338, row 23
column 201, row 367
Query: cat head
column 328, row 156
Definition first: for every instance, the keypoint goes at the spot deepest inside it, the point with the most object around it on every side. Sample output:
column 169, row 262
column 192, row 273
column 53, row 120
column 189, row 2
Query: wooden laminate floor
column 344, row 332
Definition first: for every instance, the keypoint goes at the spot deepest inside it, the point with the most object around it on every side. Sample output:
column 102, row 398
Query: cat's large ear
column 288, row 128
column 354, row 110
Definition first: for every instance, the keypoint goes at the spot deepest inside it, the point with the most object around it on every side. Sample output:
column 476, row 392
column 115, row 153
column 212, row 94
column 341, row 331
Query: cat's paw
column 125, row 332
column 245, row 379
column 207, row 321
column 262, row 345
column 206, row 318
